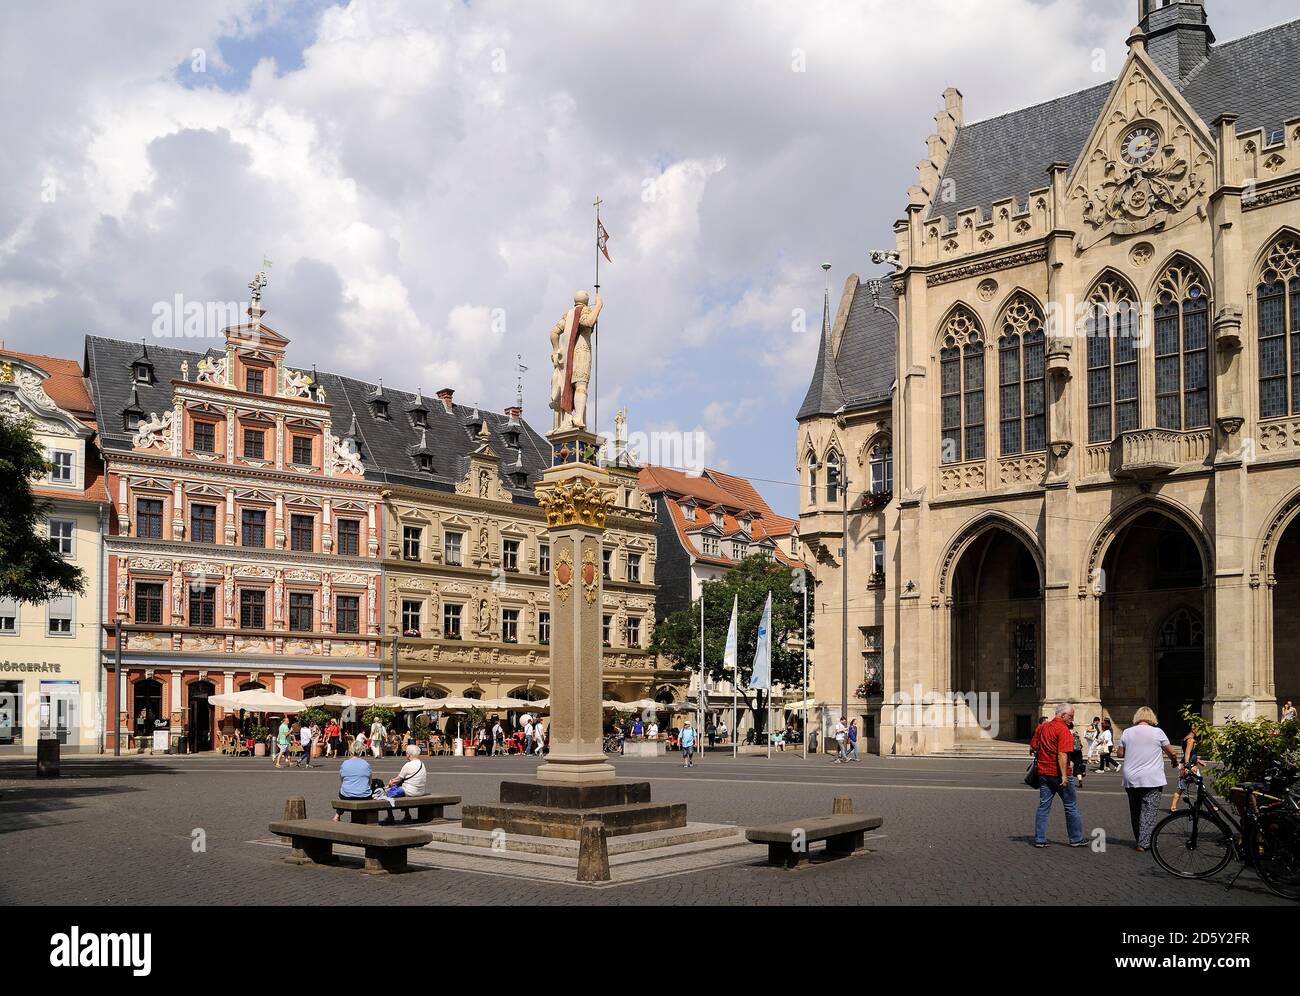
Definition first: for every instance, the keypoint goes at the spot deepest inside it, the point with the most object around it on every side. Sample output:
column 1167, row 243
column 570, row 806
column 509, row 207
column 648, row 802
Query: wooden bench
column 787, row 843
column 385, row 847
column 415, row 809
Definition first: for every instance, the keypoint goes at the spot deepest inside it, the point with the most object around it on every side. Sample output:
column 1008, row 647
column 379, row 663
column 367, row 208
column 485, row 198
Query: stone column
column 576, row 497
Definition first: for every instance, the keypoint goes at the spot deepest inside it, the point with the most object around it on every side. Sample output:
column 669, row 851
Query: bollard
column 843, row 806
column 593, row 852
column 295, row 808
column 47, row 758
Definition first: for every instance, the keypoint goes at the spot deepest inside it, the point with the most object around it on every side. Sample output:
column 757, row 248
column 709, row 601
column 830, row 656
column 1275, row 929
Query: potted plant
column 1244, row 750
column 259, row 732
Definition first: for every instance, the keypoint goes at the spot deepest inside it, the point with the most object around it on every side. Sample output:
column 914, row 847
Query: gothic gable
column 1149, row 162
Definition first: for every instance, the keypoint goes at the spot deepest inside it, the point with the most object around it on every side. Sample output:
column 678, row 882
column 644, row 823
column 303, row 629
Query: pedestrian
column 282, row 742
column 853, row 741
column 1090, row 737
column 1142, row 748
column 498, row 737
column 1288, row 711
column 1191, row 766
column 722, row 731
column 361, row 741
column 841, row 742
column 1077, row 763
column 1052, row 745
column 711, row 731
column 1106, row 747
column 528, row 734
column 333, row 738
column 378, row 734
column 652, row 731
column 539, row 737
column 305, row 739
column 411, row 779
column 638, row 730
column 354, row 777
column 688, row 745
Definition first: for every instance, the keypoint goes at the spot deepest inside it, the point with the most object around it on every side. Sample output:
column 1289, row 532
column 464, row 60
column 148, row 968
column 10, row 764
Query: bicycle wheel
column 1279, row 861
column 1181, row 852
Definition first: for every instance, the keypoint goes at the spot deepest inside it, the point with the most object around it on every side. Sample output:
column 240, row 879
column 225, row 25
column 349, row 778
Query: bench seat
column 385, row 847
column 417, row 808
column 787, row 843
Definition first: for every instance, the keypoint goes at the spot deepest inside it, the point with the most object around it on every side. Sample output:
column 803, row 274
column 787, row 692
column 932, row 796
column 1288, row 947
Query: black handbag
column 1032, row 778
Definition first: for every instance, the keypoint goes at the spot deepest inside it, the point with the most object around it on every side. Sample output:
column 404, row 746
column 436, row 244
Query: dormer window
column 520, row 478
column 379, row 409
column 131, row 421
column 512, row 438
column 143, row 373
column 744, row 525
column 717, row 519
column 254, row 381
column 426, row 463
column 420, row 418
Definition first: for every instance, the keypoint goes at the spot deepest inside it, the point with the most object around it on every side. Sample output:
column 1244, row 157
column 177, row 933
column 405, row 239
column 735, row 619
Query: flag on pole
column 762, row 674
column 602, row 239
column 729, row 654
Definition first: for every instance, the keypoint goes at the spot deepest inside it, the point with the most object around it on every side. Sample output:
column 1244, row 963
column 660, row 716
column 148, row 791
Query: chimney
column 515, row 413
column 445, row 397
column 1178, row 35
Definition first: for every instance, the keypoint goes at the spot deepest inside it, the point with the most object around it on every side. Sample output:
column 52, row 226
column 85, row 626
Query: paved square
column 123, row 832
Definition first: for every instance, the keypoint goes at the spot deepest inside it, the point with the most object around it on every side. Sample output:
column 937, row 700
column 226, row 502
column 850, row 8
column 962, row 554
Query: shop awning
column 257, row 700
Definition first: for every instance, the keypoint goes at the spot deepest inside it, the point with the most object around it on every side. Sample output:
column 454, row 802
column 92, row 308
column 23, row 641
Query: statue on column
column 571, row 362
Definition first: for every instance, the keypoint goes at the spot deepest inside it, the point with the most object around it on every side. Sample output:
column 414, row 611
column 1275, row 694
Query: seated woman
column 412, row 778
column 354, row 777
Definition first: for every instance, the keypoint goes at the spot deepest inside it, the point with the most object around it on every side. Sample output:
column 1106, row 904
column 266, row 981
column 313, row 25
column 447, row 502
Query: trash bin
column 814, row 743
column 47, row 758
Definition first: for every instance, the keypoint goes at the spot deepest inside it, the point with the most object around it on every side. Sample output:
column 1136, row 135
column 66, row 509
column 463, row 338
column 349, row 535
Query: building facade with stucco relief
column 1068, row 418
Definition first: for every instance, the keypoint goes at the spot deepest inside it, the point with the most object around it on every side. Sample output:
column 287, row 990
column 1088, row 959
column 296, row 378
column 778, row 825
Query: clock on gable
column 1139, row 144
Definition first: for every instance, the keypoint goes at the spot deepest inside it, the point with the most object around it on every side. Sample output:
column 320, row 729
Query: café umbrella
column 257, row 700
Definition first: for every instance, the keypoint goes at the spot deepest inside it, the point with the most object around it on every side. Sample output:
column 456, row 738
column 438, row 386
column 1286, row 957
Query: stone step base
column 986, row 749
column 553, row 822
column 628, row 844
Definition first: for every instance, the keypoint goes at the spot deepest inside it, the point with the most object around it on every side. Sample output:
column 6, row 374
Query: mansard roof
column 1256, row 77
column 386, row 445
column 856, row 367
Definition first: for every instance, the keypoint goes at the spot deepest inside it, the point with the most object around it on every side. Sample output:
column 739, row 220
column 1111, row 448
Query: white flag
column 729, row 654
column 762, row 675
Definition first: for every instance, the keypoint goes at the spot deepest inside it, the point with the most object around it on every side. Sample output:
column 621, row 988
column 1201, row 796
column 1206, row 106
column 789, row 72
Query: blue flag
column 762, row 675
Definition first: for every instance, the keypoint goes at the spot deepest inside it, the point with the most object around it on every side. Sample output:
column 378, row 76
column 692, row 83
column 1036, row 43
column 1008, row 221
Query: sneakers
column 1040, row 843
column 1078, row 843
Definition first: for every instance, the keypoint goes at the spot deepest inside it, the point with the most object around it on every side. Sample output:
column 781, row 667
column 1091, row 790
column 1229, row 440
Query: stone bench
column 787, row 843
column 385, row 847
column 415, row 809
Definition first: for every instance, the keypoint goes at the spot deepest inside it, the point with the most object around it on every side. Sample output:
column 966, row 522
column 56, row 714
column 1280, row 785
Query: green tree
column 677, row 637
column 30, row 571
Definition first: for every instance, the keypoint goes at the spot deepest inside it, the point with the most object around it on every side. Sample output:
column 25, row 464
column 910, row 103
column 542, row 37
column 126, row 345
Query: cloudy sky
column 421, row 176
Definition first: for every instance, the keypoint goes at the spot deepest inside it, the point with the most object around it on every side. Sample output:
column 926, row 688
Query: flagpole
column 595, row 339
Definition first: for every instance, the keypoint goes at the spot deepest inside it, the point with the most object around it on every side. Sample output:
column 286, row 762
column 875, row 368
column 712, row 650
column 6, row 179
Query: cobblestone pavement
column 122, row 832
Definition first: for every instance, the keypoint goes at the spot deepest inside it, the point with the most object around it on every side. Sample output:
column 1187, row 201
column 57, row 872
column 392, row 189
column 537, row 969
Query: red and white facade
column 244, row 548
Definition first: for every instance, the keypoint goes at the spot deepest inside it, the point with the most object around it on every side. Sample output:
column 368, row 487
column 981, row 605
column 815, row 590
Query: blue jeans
column 1048, row 787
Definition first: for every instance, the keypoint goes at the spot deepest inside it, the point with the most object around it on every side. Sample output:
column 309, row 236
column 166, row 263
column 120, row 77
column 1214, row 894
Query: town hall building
column 1064, row 431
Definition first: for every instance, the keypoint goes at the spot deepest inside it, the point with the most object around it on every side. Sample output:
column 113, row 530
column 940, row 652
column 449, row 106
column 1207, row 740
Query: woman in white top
column 1105, row 743
column 377, row 735
column 1143, row 747
column 1288, row 711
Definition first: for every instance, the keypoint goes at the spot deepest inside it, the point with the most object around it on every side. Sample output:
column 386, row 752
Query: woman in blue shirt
column 354, row 777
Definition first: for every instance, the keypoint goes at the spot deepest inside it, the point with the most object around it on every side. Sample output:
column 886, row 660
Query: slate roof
column 862, row 372
column 1256, row 77
column 387, row 447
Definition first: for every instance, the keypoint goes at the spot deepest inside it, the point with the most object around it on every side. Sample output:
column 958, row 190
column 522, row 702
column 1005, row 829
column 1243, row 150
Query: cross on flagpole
column 595, row 339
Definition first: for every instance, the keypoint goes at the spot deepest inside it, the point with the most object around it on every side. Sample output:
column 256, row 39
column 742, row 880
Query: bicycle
column 1200, row 841
column 613, row 744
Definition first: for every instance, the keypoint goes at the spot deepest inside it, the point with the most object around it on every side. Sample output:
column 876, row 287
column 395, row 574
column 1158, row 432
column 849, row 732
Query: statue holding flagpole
column 571, row 361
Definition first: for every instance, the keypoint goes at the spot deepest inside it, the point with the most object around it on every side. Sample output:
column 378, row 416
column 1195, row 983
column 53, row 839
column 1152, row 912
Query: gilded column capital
column 574, row 501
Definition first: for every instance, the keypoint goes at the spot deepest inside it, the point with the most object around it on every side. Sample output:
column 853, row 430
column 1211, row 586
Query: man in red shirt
column 1052, row 743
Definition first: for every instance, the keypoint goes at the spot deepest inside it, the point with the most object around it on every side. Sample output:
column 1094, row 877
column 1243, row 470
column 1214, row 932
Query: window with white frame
column 510, row 554
column 411, row 536
column 452, row 544
column 61, row 533
column 61, row 466
column 8, row 617
column 632, row 632
column 711, row 546
column 543, row 627
column 451, row 617
column 634, row 568
column 544, row 558
column 60, row 616
column 411, row 617
column 509, row 625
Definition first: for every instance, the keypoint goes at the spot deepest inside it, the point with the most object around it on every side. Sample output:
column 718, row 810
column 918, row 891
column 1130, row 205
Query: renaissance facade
column 1068, row 422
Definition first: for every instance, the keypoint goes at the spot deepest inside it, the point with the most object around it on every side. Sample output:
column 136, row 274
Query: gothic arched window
column 961, row 388
column 880, row 460
column 1182, row 315
column 811, row 461
column 1279, row 313
column 1112, row 333
column 832, row 477
column 1021, row 400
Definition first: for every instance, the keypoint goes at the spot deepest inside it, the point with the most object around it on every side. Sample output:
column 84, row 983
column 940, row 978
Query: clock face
column 1139, row 145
